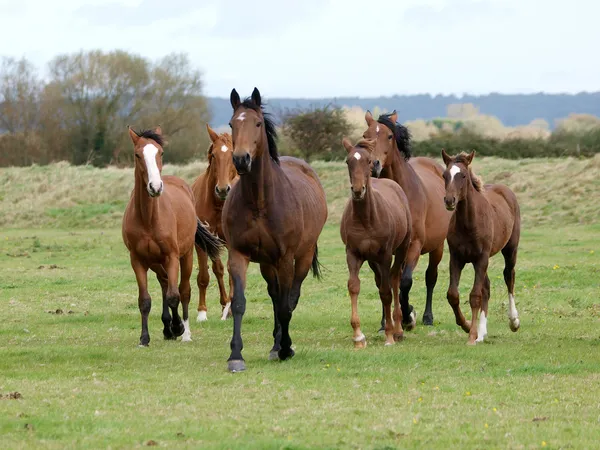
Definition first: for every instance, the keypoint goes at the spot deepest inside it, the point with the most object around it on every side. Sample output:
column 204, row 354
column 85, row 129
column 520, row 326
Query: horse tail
column 316, row 265
column 207, row 241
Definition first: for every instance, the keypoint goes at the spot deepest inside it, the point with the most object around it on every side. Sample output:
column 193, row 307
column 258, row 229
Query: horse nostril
column 228, row 188
column 247, row 157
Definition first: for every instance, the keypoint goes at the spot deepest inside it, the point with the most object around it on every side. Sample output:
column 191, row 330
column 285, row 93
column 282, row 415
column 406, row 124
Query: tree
column 317, row 131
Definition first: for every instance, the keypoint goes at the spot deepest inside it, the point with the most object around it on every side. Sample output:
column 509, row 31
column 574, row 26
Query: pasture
column 70, row 329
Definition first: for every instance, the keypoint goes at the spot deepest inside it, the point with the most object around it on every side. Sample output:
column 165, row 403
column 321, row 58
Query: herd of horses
column 271, row 210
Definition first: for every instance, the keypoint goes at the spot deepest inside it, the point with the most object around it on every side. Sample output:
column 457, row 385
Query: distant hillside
column 512, row 110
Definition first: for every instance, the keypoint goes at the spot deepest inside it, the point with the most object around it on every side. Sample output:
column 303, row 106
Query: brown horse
column 486, row 220
column 273, row 216
column 210, row 190
column 159, row 230
column 422, row 182
column 376, row 227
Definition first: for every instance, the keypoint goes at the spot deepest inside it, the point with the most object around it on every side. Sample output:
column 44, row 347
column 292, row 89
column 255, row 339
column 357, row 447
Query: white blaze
column 150, row 151
column 241, row 117
column 453, row 171
column 224, row 148
column 377, row 129
column 357, row 156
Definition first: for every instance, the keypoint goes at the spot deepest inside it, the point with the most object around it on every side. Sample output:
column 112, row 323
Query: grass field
column 84, row 383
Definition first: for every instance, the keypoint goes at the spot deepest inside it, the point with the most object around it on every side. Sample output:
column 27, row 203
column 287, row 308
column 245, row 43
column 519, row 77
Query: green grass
column 86, row 384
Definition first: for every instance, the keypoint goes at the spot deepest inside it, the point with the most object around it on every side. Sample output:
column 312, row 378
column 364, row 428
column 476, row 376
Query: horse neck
column 403, row 173
column 257, row 186
column 210, row 181
column 468, row 209
column 146, row 206
column 365, row 210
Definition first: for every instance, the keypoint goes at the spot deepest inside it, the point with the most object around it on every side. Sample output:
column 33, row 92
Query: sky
column 330, row 48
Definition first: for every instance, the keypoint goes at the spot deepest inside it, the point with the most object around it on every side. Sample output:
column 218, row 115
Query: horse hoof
column 201, row 316
column 236, row 365
column 514, row 324
column 398, row 337
column 144, row 341
column 388, row 344
column 169, row 337
column 187, row 337
column 274, row 355
column 471, row 342
column 143, row 345
column 428, row 320
column 178, row 330
column 381, row 330
column 410, row 325
column 286, row 354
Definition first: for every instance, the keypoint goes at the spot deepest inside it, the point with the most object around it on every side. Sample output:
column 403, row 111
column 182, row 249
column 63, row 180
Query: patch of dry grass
column 551, row 191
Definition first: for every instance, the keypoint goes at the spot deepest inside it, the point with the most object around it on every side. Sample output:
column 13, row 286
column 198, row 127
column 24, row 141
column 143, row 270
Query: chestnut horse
column 273, row 216
column 422, row 182
column 376, row 227
column 210, row 190
column 159, row 230
column 486, row 220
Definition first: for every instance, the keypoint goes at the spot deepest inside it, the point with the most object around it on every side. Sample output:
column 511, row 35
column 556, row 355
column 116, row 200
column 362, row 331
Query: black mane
column 151, row 134
column 401, row 134
column 269, row 128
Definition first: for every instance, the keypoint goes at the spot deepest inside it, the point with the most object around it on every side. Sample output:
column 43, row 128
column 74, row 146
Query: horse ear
column 158, row 130
column 211, row 133
column 347, row 145
column 394, row 116
column 470, row 157
column 256, row 97
column 134, row 136
column 447, row 159
column 369, row 118
column 234, row 98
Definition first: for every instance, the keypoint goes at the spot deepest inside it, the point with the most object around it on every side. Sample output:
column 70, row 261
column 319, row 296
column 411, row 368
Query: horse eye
column 137, row 156
column 390, row 137
column 258, row 124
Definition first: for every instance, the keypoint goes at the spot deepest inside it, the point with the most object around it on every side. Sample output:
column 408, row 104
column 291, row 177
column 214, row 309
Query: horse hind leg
column 431, row 276
column 408, row 312
column 202, row 281
column 510, row 260
column 144, row 300
column 270, row 276
column 185, row 291
column 161, row 276
column 483, row 316
column 219, row 271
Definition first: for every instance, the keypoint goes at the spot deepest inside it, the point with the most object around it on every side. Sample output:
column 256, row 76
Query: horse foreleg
column 431, row 276
column 144, row 300
column 202, row 280
column 485, row 298
column 238, row 264
column 185, row 291
column 456, row 267
column 219, row 271
column 475, row 298
column 412, row 258
column 510, row 260
column 354, row 265
column 285, row 279
column 395, row 274
column 173, row 297
column 385, row 294
column 270, row 276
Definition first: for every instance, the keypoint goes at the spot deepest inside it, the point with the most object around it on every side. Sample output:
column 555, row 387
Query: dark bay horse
column 422, row 182
column 273, row 216
column 210, row 191
column 376, row 227
column 159, row 230
column 486, row 220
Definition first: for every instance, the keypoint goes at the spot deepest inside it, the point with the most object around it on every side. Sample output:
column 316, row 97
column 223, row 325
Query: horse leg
column 354, row 265
column 238, row 264
column 270, row 276
column 161, row 276
column 219, row 271
column 385, row 294
column 185, row 291
column 173, row 296
column 456, row 267
column 302, row 265
column 377, row 276
column 144, row 300
column 431, row 276
column 485, row 298
column 285, row 279
column 510, row 260
column 412, row 258
column 395, row 275
column 202, row 280
column 475, row 298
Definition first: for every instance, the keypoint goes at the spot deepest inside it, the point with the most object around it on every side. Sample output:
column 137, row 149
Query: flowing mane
column 151, row 134
column 475, row 179
column 269, row 127
column 401, row 134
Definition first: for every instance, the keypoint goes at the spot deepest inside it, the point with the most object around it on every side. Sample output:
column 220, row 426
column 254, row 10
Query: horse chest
column 257, row 242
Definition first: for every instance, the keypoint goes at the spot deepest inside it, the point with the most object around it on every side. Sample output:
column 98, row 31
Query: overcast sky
column 316, row 48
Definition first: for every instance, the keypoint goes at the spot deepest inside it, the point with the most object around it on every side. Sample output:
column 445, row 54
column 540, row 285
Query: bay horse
column 375, row 227
column 159, row 229
column 273, row 216
column 422, row 182
column 210, row 191
column 486, row 220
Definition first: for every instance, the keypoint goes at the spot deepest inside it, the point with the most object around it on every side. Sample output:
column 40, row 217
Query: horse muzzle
column 222, row 193
column 242, row 163
column 376, row 169
column 154, row 191
column 450, row 203
column 358, row 195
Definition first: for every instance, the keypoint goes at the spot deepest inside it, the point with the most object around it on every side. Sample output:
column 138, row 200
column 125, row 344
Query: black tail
column 207, row 241
column 316, row 265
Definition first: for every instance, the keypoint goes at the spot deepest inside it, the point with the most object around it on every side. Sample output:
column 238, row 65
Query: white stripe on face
column 224, row 148
column 377, row 129
column 150, row 151
column 357, row 156
column 453, row 171
column 241, row 117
